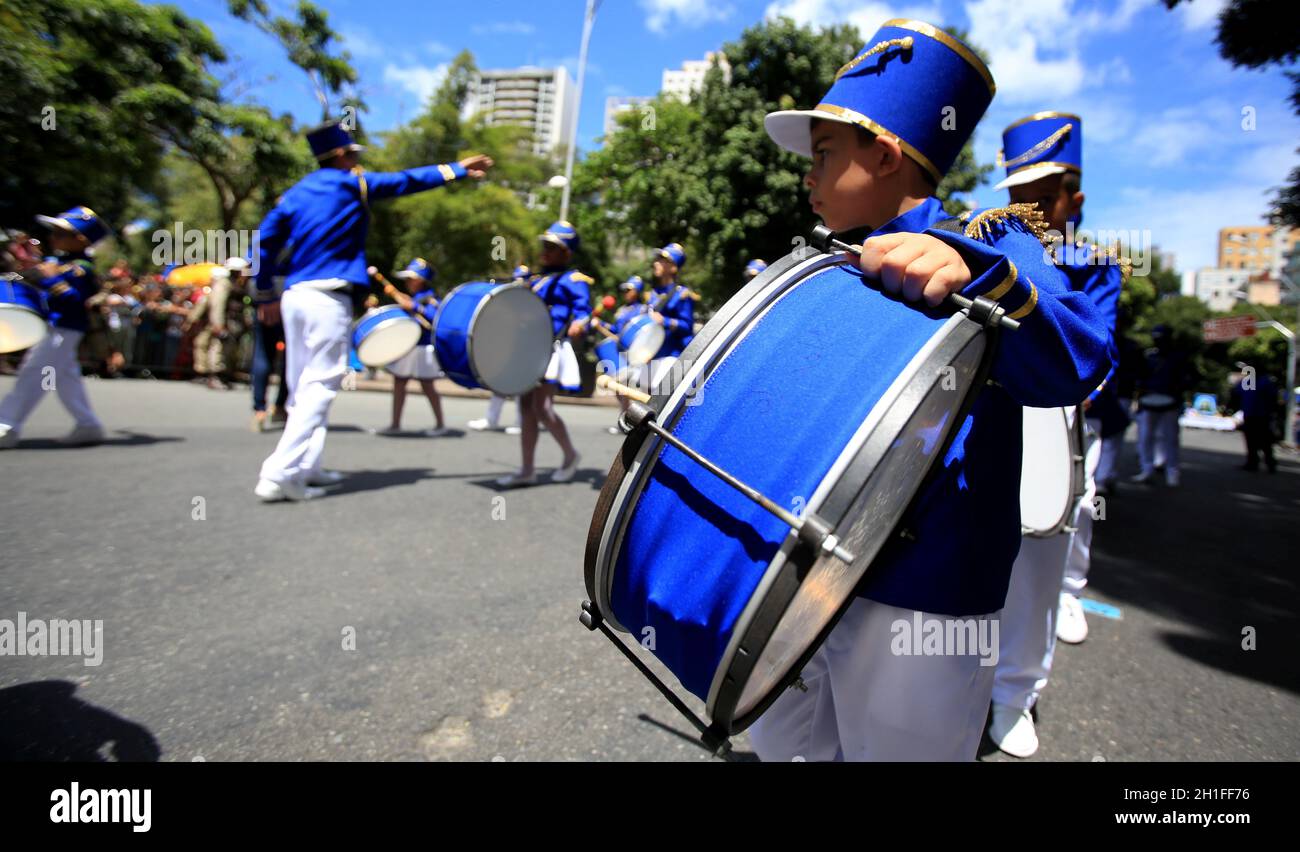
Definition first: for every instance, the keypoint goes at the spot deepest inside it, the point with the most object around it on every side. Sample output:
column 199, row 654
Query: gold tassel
column 1027, row 216
column 905, row 43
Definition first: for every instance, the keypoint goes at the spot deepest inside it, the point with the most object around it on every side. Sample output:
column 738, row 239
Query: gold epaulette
column 582, row 276
column 1026, row 217
column 1125, row 263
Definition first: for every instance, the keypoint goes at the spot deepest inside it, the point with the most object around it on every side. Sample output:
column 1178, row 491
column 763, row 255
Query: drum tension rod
column 984, row 311
column 812, row 530
column 716, row 742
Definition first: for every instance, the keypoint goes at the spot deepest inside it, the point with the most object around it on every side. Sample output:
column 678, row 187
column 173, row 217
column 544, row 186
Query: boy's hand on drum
column 477, row 165
column 914, row 266
column 576, row 328
column 657, row 317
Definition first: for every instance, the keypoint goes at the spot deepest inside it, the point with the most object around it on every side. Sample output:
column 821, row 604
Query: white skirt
column 563, row 369
column 419, row 363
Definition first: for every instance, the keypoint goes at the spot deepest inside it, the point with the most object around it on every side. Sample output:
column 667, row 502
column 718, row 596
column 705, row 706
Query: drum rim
column 41, row 319
column 641, row 322
column 847, row 477
column 714, row 345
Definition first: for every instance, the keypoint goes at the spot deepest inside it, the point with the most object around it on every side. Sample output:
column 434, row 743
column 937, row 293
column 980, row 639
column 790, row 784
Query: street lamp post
column 587, row 22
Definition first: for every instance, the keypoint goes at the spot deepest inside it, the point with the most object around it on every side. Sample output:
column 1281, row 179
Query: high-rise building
column 543, row 100
column 1217, row 288
column 1259, row 249
column 685, row 82
column 616, row 106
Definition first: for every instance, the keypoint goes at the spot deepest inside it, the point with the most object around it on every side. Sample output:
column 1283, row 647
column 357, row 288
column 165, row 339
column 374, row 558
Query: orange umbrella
column 193, row 275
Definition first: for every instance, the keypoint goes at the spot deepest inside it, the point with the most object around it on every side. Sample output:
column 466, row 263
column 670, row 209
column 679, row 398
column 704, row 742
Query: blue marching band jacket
column 965, row 522
column 567, row 294
column 678, row 310
column 66, row 292
column 323, row 219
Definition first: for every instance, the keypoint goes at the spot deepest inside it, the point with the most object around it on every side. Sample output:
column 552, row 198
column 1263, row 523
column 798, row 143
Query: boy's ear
column 887, row 155
column 1076, row 202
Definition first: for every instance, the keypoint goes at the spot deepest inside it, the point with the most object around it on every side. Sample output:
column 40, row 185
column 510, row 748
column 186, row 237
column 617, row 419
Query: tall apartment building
column 1259, row 249
column 617, row 106
column 544, row 100
column 689, row 79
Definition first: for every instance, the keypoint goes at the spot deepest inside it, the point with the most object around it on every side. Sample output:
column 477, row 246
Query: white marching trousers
column 1158, row 441
column 1108, row 463
column 58, row 352
column 1080, row 555
column 495, row 404
column 1029, row 620
column 864, row 702
column 316, row 326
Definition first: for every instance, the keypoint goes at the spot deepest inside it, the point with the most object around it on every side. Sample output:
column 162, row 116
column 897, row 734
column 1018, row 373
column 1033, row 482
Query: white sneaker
column 1012, row 730
column 8, row 438
column 566, row 473
column 1071, row 625
column 514, row 430
column 480, row 425
column 517, row 480
column 272, row 492
column 326, row 477
column 436, row 433
column 83, row 436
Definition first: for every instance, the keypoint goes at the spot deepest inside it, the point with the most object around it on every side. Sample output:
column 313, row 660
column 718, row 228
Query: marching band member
column 68, row 279
column 1044, row 160
column 882, row 138
column 567, row 293
column 1164, row 376
column 420, row 363
column 322, row 221
column 521, row 275
column 673, row 307
column 633, row 306
column 754, row 268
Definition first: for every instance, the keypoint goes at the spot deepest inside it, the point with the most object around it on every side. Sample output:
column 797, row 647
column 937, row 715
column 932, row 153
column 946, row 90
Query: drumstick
column 390, row 289
column 621, row 389
column 824, row 239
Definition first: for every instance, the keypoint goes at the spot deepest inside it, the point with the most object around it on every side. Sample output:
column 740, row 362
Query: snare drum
column 383, row 335
column 821, row 418
column 1052, row 477
column 22, row 316
column 641, row 339
column 494, row 336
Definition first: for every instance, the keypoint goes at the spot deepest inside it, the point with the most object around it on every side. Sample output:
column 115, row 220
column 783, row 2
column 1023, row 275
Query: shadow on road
column 732, row 757
column 1217, row 556
column 45, row 721
column 589, row 476
column 375, row 480
column 116, row 438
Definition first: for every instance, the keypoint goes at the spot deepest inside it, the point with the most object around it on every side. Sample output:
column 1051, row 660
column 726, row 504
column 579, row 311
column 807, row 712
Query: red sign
column 1227, row 328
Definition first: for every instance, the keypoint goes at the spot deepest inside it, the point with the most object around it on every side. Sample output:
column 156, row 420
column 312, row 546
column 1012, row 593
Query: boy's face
column 629, row 296
column 554, row 255
column 1056, row 204
column 841, row 177
column 664, row 269
column 64, row 241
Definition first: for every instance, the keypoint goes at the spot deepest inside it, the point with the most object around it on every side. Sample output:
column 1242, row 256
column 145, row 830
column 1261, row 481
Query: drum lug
column 798, row 684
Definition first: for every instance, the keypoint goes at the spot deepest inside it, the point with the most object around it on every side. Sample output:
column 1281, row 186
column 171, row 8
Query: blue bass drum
column 494, row 336
column 609, row 356
column 383, row 335
column 22, row 316
column 839, row 420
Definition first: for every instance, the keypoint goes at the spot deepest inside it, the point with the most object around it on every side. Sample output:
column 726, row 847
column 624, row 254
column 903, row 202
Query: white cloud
column 504, row 28
column 419, row 80
column 361, row 44
column 1199, row 13
column 663, row 15
column 866, row 16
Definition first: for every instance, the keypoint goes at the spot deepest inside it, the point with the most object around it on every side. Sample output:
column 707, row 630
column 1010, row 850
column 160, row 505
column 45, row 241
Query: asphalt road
column 226, row 630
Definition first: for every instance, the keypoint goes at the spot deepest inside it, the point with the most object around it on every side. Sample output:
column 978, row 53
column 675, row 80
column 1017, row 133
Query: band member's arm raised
column 422, row 178
column 578, row 286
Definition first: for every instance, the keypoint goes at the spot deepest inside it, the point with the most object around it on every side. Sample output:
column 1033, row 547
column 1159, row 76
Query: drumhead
column 20, row 328
column 646, row 343
column 388, row 340
column 864, row 494
column 510, row 341
column 1047, row 487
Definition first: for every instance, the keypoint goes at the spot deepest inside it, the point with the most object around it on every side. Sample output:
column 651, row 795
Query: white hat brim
column 56, row 222
column 791, row 129
column 1031, row 174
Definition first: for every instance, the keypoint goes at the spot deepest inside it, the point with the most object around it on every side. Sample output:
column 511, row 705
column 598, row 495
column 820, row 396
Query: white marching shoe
column 1071, row 625
column 83, row 436
column 326, row 477
column 273, row 492
column 1012, row 730
column 481, row 425
column 517, row 480
column 8, row 438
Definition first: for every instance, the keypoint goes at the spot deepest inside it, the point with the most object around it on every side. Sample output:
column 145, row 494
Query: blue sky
column 1165, row 146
